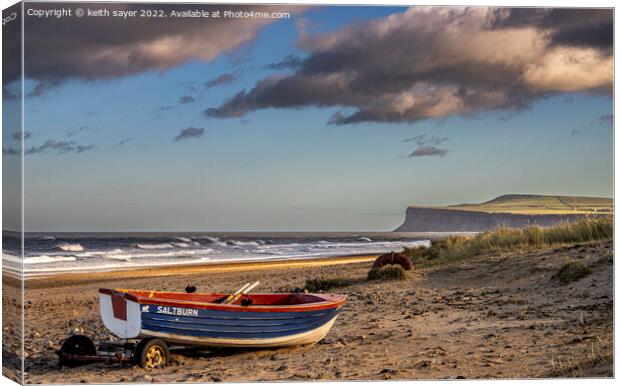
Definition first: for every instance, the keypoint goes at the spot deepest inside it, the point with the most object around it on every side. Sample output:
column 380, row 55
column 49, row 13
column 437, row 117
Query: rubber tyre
column 76, row 345
column 151, row 354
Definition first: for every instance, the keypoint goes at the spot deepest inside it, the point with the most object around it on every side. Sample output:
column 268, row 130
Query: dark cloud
column 18, row 136
column 190, row 132
column 94, row 49
column 288, row 62
column 43, row 88
column 434, row 62
column 565, row 26
column 185, row 99
column 427, row 146
column 81, row 148
column 73, row 132
column 428, row 151
column 222, row 79
column 52, row 146
column 605, row 120
column 424, row 140
column 124, row 141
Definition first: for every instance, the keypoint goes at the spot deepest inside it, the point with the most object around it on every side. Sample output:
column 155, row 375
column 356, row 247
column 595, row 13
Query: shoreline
column 67, row 278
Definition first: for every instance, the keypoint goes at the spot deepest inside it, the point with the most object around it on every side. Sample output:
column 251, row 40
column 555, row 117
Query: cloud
column 10, row 151
column 190, row 132
column 424, row 140
column 107, row 47
column 124, row 141
column 43, row 87
column 575, row 132
column 52, row 146
column 222, row 79
column 427, row 146
column 73, row 132
column 288, row 62
column 428, row 151
column 18, row 136
column 565, row 26
column 435, row 62
column 185, row 99
column 605, row 120
column 81, row 148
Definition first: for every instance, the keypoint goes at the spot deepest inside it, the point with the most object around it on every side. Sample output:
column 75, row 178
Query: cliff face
column 452, row 220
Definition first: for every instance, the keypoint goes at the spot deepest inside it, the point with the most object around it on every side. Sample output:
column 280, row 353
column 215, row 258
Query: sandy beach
column 496, row 316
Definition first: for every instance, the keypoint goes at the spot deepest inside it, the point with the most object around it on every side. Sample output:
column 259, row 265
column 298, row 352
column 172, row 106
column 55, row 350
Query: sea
column 59, row 253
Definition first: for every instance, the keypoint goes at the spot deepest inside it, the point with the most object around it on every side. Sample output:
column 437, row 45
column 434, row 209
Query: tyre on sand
column 76, row 345
column 151, row 354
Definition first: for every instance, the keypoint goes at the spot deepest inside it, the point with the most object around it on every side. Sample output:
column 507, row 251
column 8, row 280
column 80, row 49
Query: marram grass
column 320, row 284
column 508, row 239
column 388, row 272
column 572, row 271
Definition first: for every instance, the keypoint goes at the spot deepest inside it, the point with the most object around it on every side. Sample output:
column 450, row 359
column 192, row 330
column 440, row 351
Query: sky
column 335, row 119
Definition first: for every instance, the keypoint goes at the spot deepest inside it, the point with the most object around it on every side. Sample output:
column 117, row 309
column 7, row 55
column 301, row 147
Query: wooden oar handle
column 244, row 292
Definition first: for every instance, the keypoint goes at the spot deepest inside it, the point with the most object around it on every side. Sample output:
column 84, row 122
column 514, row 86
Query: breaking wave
column 91, row 252
column 47, row 259
column 70, row 247
column 154, row 246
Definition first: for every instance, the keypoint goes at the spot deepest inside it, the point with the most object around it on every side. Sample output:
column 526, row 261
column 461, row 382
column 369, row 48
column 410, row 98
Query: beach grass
column 509, row 239
column 390, row 272
column 572, row 271
column 321, row 284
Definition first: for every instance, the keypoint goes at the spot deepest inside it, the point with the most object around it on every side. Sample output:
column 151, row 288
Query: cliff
column 419, row 219
column 516, row 211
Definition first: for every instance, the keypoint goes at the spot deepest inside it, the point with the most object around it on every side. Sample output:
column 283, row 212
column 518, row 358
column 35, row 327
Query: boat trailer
column 80, row 350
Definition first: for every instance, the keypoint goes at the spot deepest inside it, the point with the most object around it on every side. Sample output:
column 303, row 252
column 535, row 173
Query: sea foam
column 70, row 247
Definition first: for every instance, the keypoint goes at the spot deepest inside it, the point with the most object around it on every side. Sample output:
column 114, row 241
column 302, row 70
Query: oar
column 243, row 292
column 233, row 295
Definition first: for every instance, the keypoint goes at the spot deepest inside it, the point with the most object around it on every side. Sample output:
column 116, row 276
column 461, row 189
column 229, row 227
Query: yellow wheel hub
column 155, row 357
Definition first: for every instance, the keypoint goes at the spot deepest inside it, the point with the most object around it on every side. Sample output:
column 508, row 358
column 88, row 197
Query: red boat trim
column 317, row 306
column 127, row 296
column 239, row 308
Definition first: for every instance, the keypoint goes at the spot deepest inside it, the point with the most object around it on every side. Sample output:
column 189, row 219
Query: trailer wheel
column 75, row 345
column 151, row 354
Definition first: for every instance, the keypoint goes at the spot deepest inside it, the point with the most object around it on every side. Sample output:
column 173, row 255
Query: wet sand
column 500, row 316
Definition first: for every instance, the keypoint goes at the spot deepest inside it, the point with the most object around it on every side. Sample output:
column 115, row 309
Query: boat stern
column 120, row 313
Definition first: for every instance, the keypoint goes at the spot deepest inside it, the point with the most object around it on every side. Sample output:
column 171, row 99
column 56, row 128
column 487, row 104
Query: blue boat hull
column 210, row 327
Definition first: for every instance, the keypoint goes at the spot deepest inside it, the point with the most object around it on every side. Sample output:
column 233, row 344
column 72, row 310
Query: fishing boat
column 157, row 319
column 255, row 320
